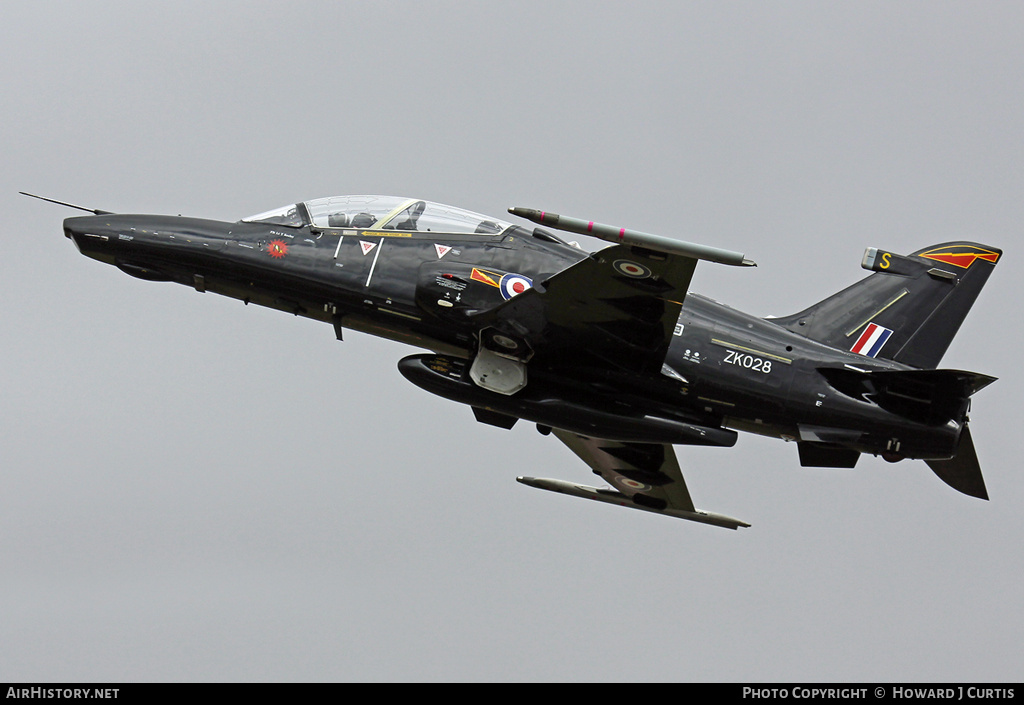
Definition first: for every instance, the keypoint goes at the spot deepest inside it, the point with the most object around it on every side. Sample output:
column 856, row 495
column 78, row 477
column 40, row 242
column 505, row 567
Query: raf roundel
column 631, row 269
column 513, row 284
column 632, row 484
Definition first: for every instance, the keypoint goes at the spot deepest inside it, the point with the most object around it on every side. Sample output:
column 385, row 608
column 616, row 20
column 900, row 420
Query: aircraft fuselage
column 723, row 368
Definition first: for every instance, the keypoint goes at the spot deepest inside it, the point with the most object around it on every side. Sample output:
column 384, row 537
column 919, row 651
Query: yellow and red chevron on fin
column 962, row 256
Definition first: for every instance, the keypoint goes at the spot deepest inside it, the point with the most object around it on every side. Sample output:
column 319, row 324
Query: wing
column 634, row 469
column 645, row 476
column 616, row 311
column 617, row 307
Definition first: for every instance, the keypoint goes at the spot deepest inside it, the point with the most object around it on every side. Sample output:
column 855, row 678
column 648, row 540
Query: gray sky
column 197, row 490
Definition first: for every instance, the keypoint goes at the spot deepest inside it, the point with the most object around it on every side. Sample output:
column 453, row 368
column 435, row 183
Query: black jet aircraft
column 608, row 351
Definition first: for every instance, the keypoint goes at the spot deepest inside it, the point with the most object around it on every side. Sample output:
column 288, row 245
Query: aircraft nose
column 108, row 238
column 146, row 245
column 90, row 232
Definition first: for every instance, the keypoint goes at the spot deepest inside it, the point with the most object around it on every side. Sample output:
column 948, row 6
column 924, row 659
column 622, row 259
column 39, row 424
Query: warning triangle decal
column 442, row 250
column 367, row 246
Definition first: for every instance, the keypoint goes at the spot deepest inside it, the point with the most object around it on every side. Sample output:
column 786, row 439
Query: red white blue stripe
column 871, row 340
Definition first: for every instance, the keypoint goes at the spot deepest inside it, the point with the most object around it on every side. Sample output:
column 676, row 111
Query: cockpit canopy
column 380, row 213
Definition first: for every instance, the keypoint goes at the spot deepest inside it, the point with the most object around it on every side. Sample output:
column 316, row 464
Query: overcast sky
column 192, row 489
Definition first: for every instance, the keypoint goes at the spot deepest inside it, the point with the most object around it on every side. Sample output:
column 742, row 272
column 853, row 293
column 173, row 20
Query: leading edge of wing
column 644, row 476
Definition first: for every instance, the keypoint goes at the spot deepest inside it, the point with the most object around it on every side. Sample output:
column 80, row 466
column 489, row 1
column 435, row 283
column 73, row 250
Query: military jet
column 608, row 351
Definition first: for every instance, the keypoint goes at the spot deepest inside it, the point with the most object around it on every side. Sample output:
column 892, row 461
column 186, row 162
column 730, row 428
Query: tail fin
column 908, row 310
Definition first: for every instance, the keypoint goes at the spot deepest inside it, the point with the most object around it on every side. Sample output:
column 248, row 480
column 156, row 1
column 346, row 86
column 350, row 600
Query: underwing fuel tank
column 448, row 377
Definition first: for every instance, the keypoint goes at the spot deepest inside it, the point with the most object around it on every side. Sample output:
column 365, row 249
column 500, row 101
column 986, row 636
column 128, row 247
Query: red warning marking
column 485, row 277
column 367, row 246
column 442, row 250
column 277, row 249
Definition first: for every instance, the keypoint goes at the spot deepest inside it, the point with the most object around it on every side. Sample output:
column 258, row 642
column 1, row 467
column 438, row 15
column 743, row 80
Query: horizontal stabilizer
column 962, row 472
column 613, row 497
column 929, row 396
